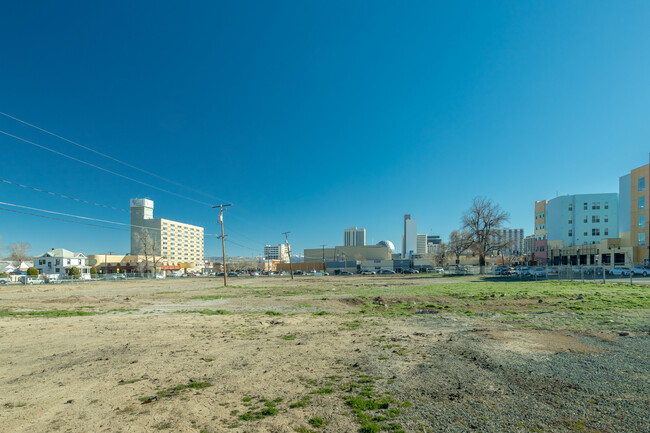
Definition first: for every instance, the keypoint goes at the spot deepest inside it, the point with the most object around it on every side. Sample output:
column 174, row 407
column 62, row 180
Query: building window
column 606, row 232
column 595, row 232
column 595, row 205
column 606, row 218
column 585, row 233
column 585, row 206
column 570, row 220
column 641, row 239
column 570, row 232
column 585, row 220
column 595, row 218
column 570, row 207
column 642, row 184
column 642, row 221
column 606, row 205
column 642, row 202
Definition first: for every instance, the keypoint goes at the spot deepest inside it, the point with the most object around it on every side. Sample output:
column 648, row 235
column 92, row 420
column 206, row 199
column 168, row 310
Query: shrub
column 32, row 271
column 75, row 272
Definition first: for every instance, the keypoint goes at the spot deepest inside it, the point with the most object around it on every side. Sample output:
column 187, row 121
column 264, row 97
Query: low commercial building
column 342, row 253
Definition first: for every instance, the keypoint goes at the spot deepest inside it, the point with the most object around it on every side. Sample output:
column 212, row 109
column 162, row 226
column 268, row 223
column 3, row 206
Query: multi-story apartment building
column 354, row 237
column 171, row 241
column 635, row 213
column 277, row 252
column 582, row 219
column 541, row 242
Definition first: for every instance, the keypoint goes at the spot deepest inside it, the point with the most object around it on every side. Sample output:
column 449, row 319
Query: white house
column 58, row 262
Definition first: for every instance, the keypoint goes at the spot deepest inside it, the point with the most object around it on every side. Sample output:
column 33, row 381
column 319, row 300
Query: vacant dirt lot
column 332, row 354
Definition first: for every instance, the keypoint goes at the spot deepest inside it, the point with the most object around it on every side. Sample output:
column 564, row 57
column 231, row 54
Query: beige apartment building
column 639, row 212
column 178, row 244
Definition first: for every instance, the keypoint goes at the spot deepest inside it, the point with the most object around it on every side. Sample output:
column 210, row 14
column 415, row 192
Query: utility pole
column 323, row 245
column 223, row 242
column 286, row 239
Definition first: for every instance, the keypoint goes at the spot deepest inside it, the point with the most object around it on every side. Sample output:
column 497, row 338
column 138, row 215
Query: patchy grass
column 207, row 312
column 289, row 337
column 47, row 313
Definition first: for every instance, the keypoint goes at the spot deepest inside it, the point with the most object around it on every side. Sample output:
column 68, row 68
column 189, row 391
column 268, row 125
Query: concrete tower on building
column 354, row 237
column 409, row 238
column 169, row 241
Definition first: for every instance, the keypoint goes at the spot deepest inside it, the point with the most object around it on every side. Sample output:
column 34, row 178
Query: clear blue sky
column 312, row 117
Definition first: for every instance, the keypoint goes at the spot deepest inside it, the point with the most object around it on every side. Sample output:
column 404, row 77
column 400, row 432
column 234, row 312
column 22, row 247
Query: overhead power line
column 62, row 219
column 103, row 169
column 108, row 156
column 61, row 195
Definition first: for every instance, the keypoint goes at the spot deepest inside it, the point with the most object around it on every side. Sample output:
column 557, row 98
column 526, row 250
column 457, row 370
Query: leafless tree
column 459, row 242
column 18, row 252
column 483, row 222
column 439, row 255
column 149, row 247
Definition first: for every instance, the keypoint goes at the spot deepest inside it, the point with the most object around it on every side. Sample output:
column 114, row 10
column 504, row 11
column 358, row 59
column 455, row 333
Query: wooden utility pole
column 223, row 242
column 286, row 240
column 323, row 245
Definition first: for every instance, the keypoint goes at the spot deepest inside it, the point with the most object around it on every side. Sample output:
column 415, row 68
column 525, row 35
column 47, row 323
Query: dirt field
column 333, row 354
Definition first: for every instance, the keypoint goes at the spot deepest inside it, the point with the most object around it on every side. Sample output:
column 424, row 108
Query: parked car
column 438, row 270
column 115, row 277
column 31, row 280
column 386, row 272
column 233, row 274
column 298, row 272
column 409, row 271
column 4, row 280
column 620, row 271
column 367, row 272
column 640, row 270
column 345, row 273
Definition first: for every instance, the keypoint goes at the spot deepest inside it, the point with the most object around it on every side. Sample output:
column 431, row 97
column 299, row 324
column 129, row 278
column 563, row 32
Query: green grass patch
column 47, row 313
column 303, row 402
column 289, row 337
column 273, row 313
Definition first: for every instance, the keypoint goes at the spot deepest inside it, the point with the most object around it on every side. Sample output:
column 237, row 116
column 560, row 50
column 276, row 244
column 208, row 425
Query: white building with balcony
column 58, row 262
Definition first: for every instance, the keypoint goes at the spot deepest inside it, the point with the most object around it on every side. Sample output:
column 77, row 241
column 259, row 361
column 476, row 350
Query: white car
column 31, row 280
column 620, row 271
column 640, row 270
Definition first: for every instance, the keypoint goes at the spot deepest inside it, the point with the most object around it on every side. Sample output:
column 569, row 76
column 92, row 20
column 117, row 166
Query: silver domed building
column 387, row 244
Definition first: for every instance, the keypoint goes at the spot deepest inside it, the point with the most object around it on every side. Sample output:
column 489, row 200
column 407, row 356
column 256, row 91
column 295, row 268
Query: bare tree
column 483, row 222
column 439, row 255
column 18, row 252
column 459, row 242
column 148, row 248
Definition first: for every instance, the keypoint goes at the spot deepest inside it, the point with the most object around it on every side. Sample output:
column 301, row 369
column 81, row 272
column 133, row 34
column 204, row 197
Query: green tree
column 75, row 273
column 93, row 272
column 32, row 271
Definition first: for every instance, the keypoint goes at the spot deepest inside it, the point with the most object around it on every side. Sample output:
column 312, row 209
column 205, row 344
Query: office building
column 634, row 218
column 541, row 242
column 169, row 241
column 354, row 237
column 513, row 239
column 421, row 244
column 277, row 252
column 409, row 238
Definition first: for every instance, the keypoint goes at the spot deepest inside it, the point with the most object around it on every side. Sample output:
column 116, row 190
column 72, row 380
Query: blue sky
column 312, row 117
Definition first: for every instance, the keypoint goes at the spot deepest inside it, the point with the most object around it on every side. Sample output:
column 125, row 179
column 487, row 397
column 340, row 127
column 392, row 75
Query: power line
column 103, row 169
column 108, row 156
column 62, row 219
column 61, row 195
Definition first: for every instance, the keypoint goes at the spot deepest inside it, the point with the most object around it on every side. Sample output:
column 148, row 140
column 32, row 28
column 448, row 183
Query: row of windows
column 539, row 215
column 539, row 226
column 594, row 232
column 595, row 205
